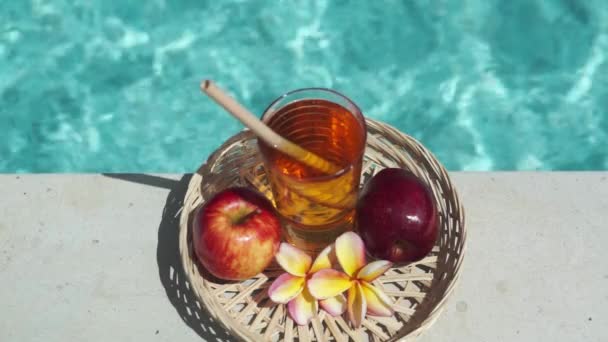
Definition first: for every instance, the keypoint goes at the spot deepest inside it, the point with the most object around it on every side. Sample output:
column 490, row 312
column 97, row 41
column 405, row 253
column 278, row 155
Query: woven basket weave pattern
column 418, row 290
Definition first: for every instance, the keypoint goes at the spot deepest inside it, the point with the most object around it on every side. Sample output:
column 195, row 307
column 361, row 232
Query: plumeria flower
column 290, row 287
column 357, row 277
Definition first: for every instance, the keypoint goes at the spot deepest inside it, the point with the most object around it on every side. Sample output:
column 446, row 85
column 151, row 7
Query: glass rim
column 321, row 89
column 358, row 114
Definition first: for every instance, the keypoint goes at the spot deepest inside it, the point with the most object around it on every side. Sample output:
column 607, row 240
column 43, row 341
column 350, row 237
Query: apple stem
column 242, row 219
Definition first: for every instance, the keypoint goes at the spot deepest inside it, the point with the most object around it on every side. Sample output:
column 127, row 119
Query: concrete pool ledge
column 94, row 257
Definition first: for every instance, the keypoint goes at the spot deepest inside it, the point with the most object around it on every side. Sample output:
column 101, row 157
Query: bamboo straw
column 264, row 132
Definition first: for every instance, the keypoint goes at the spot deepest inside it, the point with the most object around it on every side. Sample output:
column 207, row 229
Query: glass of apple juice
column 315, row 207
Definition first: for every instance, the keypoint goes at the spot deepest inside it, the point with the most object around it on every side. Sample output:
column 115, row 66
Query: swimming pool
column 104, row 86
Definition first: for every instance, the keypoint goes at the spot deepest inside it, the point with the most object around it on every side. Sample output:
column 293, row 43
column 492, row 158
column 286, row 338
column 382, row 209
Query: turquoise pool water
column 97, row 86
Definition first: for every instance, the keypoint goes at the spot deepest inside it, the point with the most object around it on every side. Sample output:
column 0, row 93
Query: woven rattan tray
column 419, row 290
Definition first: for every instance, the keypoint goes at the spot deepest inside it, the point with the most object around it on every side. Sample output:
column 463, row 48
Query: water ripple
column 487, row 85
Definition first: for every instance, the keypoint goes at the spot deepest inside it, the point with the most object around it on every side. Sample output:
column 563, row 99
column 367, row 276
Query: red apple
column 236, row 233
column 397, row 216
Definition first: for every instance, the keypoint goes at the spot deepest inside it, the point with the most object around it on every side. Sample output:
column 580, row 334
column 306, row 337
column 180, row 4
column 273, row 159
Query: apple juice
column 316, row 207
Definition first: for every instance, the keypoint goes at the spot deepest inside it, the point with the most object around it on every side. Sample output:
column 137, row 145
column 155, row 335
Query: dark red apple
column 397, row 216
column 236, row 233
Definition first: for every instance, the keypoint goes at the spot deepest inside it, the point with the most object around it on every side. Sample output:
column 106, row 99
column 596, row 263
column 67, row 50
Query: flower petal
column 373, row 270
column 334, row 306
column 357, row 306
column 350, row 251
column 303, row 308
column 378, row 303
column 328, row 283
column 325, row 259
column 285, row 288
column 293, row 260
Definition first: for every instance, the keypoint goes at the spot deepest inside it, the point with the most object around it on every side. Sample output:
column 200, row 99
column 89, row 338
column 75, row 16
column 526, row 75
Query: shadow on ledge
column 171, row 272
column 144, row 179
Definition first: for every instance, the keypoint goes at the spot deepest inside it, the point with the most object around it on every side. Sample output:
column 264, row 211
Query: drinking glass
column 315, row 207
